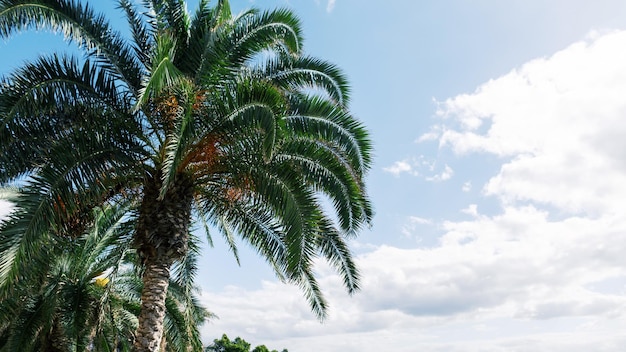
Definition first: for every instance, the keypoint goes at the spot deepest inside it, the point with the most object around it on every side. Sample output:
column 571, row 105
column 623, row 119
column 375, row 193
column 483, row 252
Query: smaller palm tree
column 84, row 295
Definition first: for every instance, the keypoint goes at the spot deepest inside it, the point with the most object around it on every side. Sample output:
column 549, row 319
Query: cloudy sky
column 499, row 182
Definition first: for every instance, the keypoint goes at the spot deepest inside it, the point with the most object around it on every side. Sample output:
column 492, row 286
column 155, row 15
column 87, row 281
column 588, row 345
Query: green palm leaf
column 79, row 24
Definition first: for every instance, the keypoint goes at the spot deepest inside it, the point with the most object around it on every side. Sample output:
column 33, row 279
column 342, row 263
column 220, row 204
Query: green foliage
column 204, row 116
column 237, row 345
column 84, row 292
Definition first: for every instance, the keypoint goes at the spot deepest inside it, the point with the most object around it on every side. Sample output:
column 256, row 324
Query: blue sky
column 498, row 181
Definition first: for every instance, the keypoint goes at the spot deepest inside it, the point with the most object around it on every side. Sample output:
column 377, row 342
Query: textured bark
column 155, row 283
column 161, row 238
column 163, row 225
column 163, row 344
column 56, row 341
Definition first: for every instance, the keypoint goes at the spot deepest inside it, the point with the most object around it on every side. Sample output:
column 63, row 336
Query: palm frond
column 236, row 43
column 255, row 107
column 50, row 99
column 163, row 73
column 143, row 43
column 23, row 237
column 335, row 250
column 252, row 34
column 223, row 13
column 225, row 227
column 296, row 207
column 178, row 141
column 171, row 16
column 325, row 171
column 316, row 173
column 79, row 24
column 313, row 294
column 305, row 74
column 32, row 324
column 260, row 228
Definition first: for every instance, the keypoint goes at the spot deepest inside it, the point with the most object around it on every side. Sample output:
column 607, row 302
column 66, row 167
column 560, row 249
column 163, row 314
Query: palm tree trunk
column 56, row 341
column 155, row 284
column 161, row 238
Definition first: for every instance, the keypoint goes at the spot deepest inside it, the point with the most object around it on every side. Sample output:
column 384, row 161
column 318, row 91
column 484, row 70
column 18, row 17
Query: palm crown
column 209, row 116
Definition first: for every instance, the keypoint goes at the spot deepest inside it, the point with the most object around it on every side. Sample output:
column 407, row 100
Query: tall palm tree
column 215, row 117
column 84, row 295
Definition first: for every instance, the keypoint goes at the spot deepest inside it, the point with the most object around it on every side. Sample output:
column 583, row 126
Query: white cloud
column 330, row 6
column 420, row 167
column 472, row 209
column 419, row 221
column 412, row 224
column 399, row 167
column 546, row 273
column 432, row 135
column 445, row 175
column 518, row 266
column 560, row 123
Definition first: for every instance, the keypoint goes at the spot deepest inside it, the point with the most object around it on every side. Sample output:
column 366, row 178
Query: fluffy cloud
column 330, row 6
column 399, row 167
column 445, row 175
column 560, row 123
column 517, row 266
column 413, row 223
column 544, row 272
column 519, row 263
column 421, row 166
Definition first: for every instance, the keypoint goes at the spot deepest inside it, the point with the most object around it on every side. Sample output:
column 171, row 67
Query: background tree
column 65, row 303
column 87, row 296
column 208, row 116
column 237, row 345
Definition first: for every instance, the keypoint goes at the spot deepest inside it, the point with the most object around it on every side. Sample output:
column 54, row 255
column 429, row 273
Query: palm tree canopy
column 207, row 116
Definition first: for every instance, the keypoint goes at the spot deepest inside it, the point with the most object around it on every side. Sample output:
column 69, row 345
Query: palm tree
column 87, row 296
column 64, row 305
column 208, row 117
